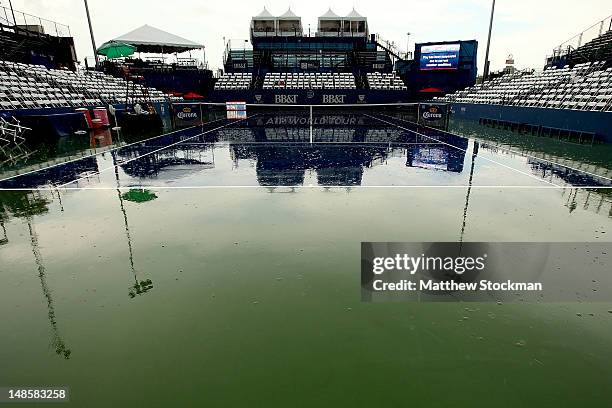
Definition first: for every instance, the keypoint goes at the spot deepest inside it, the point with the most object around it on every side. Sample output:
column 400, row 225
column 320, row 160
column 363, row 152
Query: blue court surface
column 283, row 150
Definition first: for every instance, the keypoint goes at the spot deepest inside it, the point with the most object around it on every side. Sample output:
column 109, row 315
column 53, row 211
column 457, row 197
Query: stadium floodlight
column 407, row 44
column 93, row 41
column 487, row 65
column 13, row 13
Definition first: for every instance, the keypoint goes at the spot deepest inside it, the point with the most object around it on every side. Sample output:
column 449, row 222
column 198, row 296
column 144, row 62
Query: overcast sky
column 528, row 29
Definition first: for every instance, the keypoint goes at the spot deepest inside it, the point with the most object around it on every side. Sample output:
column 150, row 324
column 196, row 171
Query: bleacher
column 586, row 86
column 26, row 86
column 387, row 81
column 234, row 81
column 599, row 49
column 314, row 80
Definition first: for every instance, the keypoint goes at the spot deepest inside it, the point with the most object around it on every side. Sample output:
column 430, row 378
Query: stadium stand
column 37, row 41
column 234, row 81
column 599, row 49
column 27, row 86
column 586, row 86
column 390, row 81
column 318, row 80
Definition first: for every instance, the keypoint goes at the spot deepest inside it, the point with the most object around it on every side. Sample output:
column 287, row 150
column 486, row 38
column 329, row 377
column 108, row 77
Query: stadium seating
column 387, row 81
column 234, row 81
column 309, row 81
column 25, row 86
column 586, row 86
column 599, row 49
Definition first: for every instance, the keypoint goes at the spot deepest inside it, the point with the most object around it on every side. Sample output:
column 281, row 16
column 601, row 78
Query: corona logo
column 433, row 113
column 186, row 113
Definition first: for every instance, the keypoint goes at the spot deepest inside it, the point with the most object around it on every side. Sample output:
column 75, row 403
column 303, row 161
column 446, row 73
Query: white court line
column 484, row 141
column 306, row 142
column 286, row 106
column 105, row 151
column 307, row 187
column 463, row 150
column 151, row 152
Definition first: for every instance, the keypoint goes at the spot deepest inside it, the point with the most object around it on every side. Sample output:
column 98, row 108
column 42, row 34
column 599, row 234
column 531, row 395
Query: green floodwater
column 255, row 301
column 250, row 297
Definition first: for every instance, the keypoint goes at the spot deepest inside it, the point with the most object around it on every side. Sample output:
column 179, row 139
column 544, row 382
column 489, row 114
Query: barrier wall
column 566, row 119
column 311, row 97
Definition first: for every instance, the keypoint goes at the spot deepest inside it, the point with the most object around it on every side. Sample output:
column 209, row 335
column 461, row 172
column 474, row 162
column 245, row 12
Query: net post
column 310, row 121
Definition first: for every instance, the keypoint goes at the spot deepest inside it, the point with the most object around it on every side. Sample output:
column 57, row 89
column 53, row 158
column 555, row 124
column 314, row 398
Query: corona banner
column 187, row 114
column 434, row 115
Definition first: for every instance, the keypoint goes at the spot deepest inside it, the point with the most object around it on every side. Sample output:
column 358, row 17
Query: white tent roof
column 330, row 15
column 354, row 15
column 288, row 15
column 264, row 15
column 151, row 39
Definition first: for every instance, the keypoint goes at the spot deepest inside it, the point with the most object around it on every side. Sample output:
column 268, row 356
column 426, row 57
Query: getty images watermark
column 480, row 272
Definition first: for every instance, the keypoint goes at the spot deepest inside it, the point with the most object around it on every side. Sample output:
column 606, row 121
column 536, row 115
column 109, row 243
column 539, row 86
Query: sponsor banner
column 309, row 65
column 433, row 115
column 286, row 99
column 236, row 110
column 486, row 272
column 334, row 99
column 310, row 96
column 187, row 114
column 240, row 64
column 439, row 57
column 304, row 120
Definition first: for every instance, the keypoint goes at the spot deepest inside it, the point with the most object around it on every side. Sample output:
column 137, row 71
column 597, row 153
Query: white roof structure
column 264, row 15
column 151, row 39
column 330, row 15
column 354, row 15
column 288, row 15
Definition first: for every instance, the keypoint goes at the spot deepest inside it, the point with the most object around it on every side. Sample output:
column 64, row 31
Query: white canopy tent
column 153, row 40
column 289, row 23
column 355, row 24
column 329, row 24
column 264, row 24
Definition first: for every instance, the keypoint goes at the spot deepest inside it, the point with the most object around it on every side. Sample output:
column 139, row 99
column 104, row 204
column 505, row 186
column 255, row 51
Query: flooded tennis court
column 218, row 265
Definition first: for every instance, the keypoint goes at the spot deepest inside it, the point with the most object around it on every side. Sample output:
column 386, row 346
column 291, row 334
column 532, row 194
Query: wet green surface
column 255, row 301
column 587, row 154
column 217, row 287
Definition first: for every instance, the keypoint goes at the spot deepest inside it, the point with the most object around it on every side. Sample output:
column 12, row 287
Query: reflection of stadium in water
column 338, row 165
column 283, row 154
column 436, row 157
column 54, row 175
column 181, row 160
column 559, row 170
column 548, row 170
column 286, row 164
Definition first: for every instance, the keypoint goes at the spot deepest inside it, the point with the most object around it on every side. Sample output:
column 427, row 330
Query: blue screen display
column 440, row 56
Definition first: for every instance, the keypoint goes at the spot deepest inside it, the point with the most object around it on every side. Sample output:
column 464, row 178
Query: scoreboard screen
column 440, row 57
